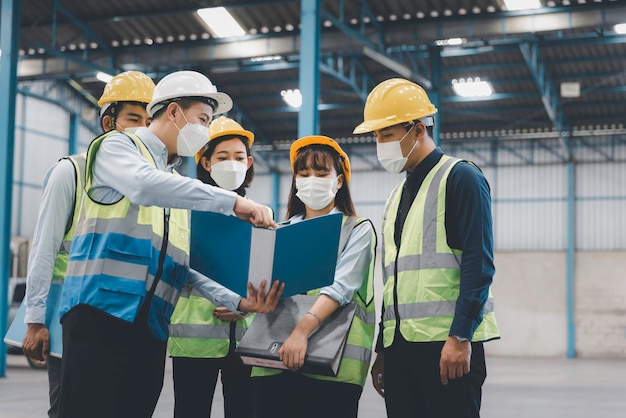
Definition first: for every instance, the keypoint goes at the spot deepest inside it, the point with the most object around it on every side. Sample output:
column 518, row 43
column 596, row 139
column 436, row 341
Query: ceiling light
column 104, row 77
column 266, row 58
column 220, row 23
column 292, row 97
column 522, row 4
column 620, row 28
column 450, row 42
column 472, row 87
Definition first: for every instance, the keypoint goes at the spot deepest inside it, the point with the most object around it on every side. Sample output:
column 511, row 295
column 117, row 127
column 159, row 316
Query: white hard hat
column 187, row 84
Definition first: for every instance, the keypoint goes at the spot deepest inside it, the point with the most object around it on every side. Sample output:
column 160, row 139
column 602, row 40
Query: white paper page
column 261, row 256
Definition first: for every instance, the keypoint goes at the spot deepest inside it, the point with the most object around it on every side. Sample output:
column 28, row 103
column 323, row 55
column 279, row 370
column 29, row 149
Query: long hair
column 205, row 176
column 319, row 157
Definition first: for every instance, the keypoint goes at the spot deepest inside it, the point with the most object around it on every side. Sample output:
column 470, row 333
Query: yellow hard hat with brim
column 392, row 102
column 300, row 143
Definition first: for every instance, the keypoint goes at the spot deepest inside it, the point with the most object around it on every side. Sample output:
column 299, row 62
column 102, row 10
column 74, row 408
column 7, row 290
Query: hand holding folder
column 267, row 332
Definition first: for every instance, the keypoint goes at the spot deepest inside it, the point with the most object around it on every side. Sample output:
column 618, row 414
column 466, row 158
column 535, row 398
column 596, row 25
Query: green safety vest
column 123, row 250
column 62, row 258
column 424, row 273
column 355, row 360
column 196, row 333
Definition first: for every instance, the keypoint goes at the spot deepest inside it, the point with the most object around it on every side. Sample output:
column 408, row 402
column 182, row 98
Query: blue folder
column 233, row 252
column 17, row 330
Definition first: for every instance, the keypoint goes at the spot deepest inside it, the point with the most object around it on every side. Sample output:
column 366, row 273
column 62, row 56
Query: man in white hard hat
column 130, row 254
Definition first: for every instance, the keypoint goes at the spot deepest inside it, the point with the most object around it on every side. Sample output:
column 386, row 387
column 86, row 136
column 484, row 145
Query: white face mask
column 316, row 192
column 191, row 138
column 390, row 154
column 131, row 130
column 229, row 174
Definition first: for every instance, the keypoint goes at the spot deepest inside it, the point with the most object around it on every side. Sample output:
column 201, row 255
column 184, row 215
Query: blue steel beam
column 9, row 34
column 309, row 79
column 551, row 101
column 550, row 95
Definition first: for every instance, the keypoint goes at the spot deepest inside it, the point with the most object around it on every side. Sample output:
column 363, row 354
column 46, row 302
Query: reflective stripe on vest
column 426, row 268
column 116, row 254
column 62, row 258
column 355, row 360
column 195, row 332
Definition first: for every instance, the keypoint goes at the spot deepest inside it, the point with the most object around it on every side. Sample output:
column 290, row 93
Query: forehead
column 314, row 160
column 133, row 109
column 230, row 145
column 200, row 107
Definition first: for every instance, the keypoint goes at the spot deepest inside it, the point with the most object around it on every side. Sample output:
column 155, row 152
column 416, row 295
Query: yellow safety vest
column 62, row 258
column 424, row 273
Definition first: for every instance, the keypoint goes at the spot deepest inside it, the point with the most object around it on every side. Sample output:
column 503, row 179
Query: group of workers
column 113, row 227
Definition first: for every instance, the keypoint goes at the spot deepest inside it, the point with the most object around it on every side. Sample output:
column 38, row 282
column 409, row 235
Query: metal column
column 308, row 117
column 9, row 33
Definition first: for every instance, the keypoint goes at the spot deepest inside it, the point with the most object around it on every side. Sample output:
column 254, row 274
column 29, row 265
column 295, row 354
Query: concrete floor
column 515, row 388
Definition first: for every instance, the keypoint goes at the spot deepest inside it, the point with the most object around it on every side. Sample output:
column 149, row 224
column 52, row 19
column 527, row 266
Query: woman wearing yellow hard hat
column 203, row 337
column 320, row 186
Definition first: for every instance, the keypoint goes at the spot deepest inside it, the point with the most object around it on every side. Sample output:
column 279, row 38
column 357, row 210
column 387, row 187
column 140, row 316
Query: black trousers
column 194, row 386
column 413, row 387
column 54, row 385
column 111, row 368
column 289, row 395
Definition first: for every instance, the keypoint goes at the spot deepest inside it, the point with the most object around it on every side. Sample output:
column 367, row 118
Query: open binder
column 17, row 330
column 233, row 252
column 267, row 332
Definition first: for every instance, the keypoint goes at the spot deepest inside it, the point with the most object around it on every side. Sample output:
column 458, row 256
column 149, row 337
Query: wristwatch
column 460, row 339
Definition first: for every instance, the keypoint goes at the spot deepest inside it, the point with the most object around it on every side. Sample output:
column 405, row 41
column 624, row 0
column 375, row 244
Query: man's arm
column 469, row 228
column 57, row 204
column 258, row 300
column 120, row 170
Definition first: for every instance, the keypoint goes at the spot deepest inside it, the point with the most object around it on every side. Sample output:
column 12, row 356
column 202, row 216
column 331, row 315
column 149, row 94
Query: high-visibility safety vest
column 196, row 333
column 62, row 258
column 355, row 361
column 424, row 274
column 122, row 252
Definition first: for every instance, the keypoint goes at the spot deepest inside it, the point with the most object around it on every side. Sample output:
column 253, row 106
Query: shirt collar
column 425, row 165
column 157, row 149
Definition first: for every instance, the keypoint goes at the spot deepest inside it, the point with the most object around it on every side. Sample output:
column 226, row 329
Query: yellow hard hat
column 223, row 126
column 300, row 143
column 392, row 102
column 129, row 86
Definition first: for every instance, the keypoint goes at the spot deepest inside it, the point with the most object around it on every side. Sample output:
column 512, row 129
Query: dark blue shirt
column 468, row 225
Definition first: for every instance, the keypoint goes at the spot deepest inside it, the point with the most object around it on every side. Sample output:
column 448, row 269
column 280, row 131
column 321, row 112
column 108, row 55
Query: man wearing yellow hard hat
column 123, row 104
column 129, row 259
column 437, row 263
